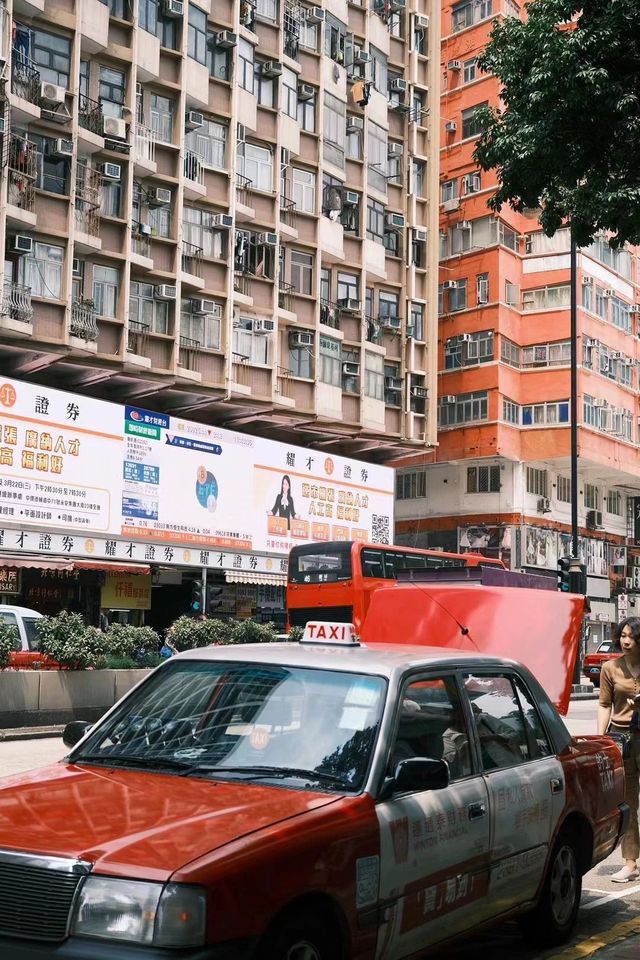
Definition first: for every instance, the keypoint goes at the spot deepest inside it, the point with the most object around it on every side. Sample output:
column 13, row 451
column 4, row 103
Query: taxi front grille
column 36, row 895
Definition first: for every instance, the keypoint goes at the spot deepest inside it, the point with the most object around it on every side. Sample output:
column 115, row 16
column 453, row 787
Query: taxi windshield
column 233, row 720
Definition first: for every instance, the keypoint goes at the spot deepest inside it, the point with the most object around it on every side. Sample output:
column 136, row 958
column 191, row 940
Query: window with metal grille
column 483, row 479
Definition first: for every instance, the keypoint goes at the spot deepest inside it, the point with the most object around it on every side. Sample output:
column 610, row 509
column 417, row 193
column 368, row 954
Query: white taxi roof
column 383, row 659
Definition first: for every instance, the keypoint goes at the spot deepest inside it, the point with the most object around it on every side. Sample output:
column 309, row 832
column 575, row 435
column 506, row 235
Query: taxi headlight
column 165, row 915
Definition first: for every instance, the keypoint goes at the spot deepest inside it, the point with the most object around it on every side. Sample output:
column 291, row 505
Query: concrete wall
column 35, row 698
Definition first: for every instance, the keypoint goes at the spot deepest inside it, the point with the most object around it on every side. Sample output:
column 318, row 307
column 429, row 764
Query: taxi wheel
column 301, row 938
column 552, row 921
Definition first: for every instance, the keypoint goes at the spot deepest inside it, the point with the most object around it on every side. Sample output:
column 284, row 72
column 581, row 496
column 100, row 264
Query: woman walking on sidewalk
column 619, row 713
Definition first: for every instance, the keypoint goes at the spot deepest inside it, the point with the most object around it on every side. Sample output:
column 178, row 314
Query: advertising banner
column 490, row 541
column 82, row 466
column 126, row 591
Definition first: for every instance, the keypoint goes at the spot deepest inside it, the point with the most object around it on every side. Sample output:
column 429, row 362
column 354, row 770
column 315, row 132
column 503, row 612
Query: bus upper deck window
column 372, row 565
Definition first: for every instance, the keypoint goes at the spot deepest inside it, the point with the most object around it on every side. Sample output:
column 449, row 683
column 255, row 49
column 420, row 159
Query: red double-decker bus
column 334, row 581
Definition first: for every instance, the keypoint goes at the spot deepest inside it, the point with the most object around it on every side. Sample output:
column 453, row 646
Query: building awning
column 111, row 566
column 272, row 579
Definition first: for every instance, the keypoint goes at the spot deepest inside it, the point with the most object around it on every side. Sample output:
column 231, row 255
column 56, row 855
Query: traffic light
column 564, row 582
column 214, row 596
column 196, row 605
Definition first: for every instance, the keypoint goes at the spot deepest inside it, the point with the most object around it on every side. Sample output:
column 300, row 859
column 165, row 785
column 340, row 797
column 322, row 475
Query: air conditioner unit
column 544, row 505
column 315, row 15
column 394, row 221
column 76, row 267
column 395, row 150
column 607, row 293
column 224, row 220
column 51, row 93
column 267, row 239
column 349, row 305
column 599, row 403
column 351, row 369
column 173, row 9
column 593, row 519
column 634, row 309
column 451, row 126
column 420, row 234
column 305, row 92
column 464, row 338
column 463, row 225
column 111, row 171
column 420, row 393
column 587, row 281
column 193, row 120
column 350, row 198
column 617, row 355
column 114, row 127
column 393, row 383
column 420, row 22
column 165, row 291
column 450, row 205
column 144, row 230
column 203, row 308
column 590, row 342
column 271, row 68
column 355, row 124
column 300, row 338
column 397, row 5
column 449, row 398
column 62, row 148
column 398, row 85
column 21, row 244
column 263, row 326
column 360, row 55
column 450, row 285
column 225, row 39
column 391, row 323
column 159, row 197
column 454, row 65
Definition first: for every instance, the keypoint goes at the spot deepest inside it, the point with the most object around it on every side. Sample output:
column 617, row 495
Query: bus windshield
column 319, row 564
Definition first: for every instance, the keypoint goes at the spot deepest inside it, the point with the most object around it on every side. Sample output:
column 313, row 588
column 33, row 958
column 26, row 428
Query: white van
column 25, row 620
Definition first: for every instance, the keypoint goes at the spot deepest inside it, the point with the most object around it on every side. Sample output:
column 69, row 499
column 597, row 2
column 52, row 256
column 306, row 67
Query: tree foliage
column 565, row 137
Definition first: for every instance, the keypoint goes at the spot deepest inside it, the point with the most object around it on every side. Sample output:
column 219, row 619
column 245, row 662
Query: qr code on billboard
column 379, row 529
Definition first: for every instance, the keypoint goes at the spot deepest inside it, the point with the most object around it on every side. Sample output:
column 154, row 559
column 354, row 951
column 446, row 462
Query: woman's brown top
column 617, row 684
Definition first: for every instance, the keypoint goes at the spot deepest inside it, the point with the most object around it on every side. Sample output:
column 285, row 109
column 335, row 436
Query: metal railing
column 284, row 383
column 241, row 371
column 87, row 217
column 16, row 302
column 90, row 114
column 242, row 283
column 247, row 13
column 25, row 78
column 137, row 337
column 140, row 244
column 192, row 167
column 288, row 211
column 21, row 192
column 144, row 143
column 83, row 320
column 191, row 260
column 330, row 314
column 189, row 353
column 243, row 189
column 286, row 293
column 373, row 331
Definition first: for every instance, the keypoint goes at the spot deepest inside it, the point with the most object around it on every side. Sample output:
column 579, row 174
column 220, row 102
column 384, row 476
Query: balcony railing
column 21, row 192
column 192, row 168
column 284, row 385
column 330, row 314
column 291, row 28
column 286, row 293
column 140, row 244
column 241, row 371
column 191, row 259
column 247, row 13
column 87, row 217
column 83, row 320
column 243, row 189
column 373, row 331
column 16, row 302
column 144, row 143
column 189, row 353
column 288, row 211
column 90, row 114
column 137, row 337
column 25, row 78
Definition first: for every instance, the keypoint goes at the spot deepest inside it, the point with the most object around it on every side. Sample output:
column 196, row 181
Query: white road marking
column 608, row 897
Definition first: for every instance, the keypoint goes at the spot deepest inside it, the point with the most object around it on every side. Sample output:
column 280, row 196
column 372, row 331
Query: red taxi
column 320, row 799
column 592, row 663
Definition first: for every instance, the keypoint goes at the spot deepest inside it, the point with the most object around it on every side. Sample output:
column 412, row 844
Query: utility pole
column 577, row 571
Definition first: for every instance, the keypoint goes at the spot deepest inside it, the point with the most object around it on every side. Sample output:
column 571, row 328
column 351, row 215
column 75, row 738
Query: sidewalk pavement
column 30, row 733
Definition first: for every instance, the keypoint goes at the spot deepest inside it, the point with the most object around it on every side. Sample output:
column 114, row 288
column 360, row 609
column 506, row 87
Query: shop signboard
column 126, row 591
column 10, row 581
column 89, row 470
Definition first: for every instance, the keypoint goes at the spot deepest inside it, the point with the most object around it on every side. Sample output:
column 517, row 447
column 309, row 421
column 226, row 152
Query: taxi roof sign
column 330, row 632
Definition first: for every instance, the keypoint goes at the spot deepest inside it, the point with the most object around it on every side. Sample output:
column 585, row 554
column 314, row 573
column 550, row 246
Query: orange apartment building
column 499, row 479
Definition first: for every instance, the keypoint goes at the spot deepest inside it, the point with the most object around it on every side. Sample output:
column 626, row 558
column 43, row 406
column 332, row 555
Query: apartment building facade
column 226, row 210
column 500, row 477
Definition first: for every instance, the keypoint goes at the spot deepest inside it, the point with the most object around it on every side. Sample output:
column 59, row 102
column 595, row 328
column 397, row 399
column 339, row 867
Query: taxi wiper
column 127, row 760
column 281, row 773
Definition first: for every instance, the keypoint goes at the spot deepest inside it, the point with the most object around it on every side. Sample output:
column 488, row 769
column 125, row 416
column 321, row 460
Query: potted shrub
column 9, row 642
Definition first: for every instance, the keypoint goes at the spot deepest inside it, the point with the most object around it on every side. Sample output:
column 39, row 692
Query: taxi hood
column 137, row 823
column 540, row 628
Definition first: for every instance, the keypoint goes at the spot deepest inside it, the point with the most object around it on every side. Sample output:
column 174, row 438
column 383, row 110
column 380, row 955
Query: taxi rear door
column 434, row 844
column 525, row 782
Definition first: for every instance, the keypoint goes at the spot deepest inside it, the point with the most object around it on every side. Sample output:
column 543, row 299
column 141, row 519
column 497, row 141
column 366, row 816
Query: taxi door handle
column 556, row 785
column 476, row 810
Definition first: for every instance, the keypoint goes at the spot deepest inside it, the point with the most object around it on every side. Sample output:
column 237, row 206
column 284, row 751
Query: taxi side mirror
column 74, row 732
column 420, row 773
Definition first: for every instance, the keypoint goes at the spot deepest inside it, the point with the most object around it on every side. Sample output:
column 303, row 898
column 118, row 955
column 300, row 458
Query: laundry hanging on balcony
column 361, row 92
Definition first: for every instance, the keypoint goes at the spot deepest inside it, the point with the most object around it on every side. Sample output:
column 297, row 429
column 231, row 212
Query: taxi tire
column 302, row 937
column 543, row 926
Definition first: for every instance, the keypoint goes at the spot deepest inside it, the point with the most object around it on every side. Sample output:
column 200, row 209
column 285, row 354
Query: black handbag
column 622, row 740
